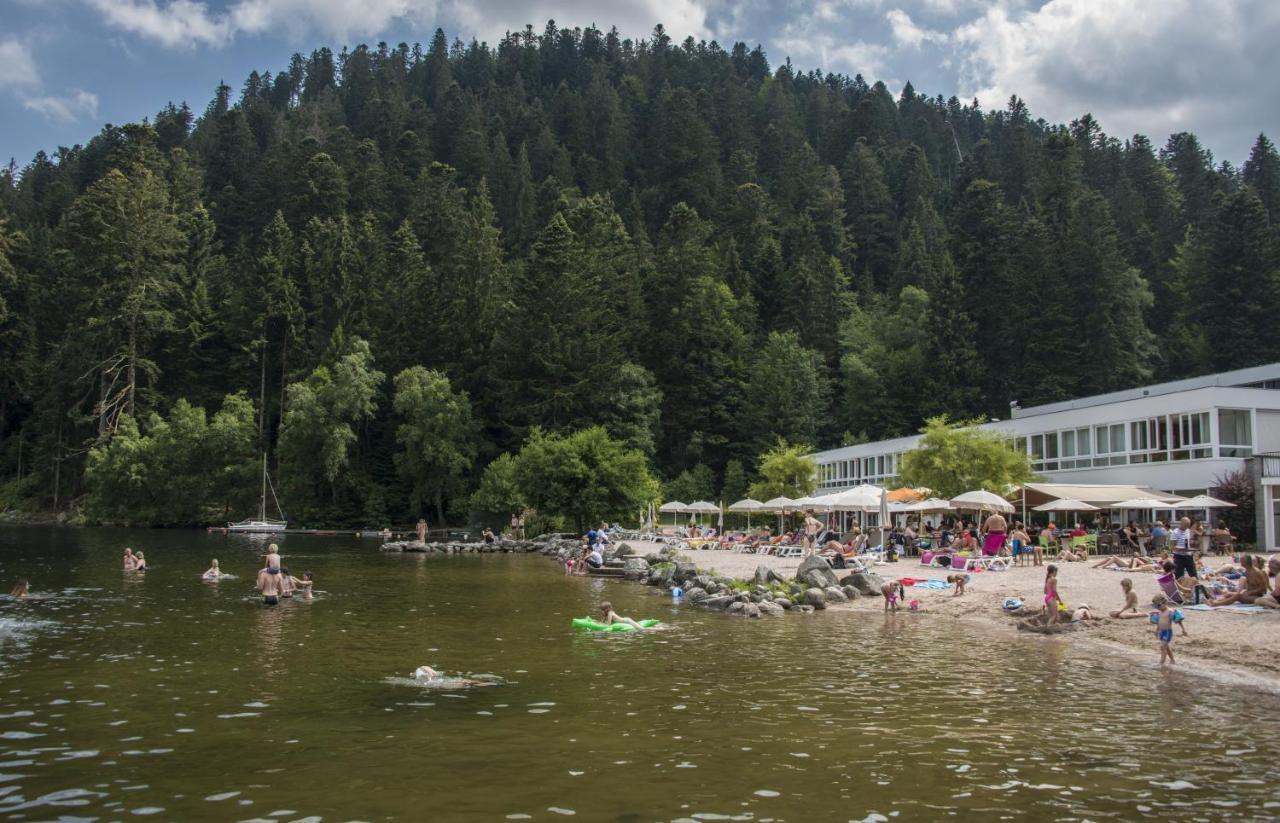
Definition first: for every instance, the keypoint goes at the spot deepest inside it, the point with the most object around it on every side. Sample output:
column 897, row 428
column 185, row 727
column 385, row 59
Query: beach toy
column 1177, row 616
column 914, row 605
column 676, row 592
column 1012, row 604
column 595, row 626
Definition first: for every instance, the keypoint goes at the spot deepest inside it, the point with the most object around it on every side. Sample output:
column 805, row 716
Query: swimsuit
column 270, row 600
column 1166, row 635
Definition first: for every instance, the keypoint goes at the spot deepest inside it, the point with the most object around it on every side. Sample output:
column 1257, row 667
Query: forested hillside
column 693, row 248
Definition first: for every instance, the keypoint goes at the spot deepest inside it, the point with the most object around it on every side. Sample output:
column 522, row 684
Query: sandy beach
column 1220, row 641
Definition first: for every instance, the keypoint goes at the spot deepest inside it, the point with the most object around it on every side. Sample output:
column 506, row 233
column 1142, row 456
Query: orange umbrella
column 905, row 495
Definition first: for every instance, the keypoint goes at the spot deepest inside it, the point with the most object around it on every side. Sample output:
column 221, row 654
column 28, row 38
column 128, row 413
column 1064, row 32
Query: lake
column 160, row 695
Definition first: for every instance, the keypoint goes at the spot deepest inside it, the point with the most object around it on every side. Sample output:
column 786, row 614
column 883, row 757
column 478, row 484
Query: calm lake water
column 158, row 694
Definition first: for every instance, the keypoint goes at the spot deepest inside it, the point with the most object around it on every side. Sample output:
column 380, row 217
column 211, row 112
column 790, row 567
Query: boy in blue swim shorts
column 1164, row 628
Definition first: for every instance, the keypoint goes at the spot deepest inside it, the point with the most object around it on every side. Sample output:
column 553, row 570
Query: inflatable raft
column 595, row 626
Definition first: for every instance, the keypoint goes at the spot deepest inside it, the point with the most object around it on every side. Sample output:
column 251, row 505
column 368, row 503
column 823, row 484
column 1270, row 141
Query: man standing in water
column 269, row 585
column 811, row 527
column 422, row 530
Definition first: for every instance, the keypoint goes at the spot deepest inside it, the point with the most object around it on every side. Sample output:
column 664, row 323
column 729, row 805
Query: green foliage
column 584, row 477
column 437, row 436
column 499, row 493
column 955, row 458
column 785, row 471
column 183, row 470
column 696, row 483
column 787, row 393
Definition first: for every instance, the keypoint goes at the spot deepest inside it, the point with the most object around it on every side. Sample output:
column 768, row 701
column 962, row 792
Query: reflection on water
column 169, row 697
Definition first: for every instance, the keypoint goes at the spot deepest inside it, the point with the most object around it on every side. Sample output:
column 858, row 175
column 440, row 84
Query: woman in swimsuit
column 142, row 563
column 1051, row 598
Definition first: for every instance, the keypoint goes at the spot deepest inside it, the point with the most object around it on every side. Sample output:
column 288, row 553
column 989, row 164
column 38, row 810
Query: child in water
column 893, row 592
column 610, row 616
column 1052, row 600
column 213, row 573
column 1164, row 628
column 306, row 584
column 959, row 580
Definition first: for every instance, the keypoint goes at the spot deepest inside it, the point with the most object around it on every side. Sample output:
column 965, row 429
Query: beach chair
column 790, row 550
column 1170, row 588
column 1088, row 541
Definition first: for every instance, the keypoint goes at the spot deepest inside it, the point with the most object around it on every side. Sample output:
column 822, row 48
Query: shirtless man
column 130, row 562
column 1271, row 599
column 1255, row 584
column 269, row 585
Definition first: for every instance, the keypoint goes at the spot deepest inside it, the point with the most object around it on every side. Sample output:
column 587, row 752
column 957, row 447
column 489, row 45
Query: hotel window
column 1150, row 440
column 1075, row 444
column 1044, row 451
column 1110, row 442
column 1189, row 436
column 1235, row 433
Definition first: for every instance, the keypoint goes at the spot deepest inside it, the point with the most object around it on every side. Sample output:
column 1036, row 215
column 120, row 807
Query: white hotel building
column 1176, row 436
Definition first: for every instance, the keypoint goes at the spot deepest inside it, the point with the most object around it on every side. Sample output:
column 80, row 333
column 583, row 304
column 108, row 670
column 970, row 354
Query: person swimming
column 269, row 585
column 306, row 584
column 213, row 573
column 611, row 617
column 142, row 563
column 20, row 589
column 130, row 562
column 287, row 583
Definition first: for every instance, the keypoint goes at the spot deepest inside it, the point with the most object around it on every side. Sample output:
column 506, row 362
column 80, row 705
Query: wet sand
column 1219, row 641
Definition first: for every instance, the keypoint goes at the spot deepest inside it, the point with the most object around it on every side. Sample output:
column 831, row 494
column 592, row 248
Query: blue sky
column 1151, row 66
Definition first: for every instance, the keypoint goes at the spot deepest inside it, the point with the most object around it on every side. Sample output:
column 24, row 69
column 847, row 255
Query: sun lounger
column 992, row 563
column 790, row 550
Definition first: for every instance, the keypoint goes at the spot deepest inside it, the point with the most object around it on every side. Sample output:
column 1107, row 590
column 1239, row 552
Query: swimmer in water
column 142, row 563
column 213, row 573
column 611, row 617
column 19, row 591
column 130, row 562
column 287, row 583
column 426, row 673
column 269, row 585
column 305, row 584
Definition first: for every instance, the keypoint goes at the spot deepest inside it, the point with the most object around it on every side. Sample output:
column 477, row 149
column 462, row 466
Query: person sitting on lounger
column 1255, row 584
column 1068, row 555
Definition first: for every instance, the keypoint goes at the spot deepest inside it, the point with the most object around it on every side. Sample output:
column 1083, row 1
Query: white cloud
column 907, row 33
column 17, row 67
column 64, row 109
column 1139, row 66
column 178, row 23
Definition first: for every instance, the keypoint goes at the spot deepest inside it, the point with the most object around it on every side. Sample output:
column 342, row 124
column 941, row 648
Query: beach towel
column 1238, row 608
column 933, row 584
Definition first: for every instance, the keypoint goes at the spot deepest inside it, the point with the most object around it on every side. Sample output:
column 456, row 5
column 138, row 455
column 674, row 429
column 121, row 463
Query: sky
column 67, row 67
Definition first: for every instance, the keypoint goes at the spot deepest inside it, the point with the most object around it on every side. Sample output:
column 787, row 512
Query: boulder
column 806, row 609
column 757, row 597
column 868, row 583
column 768, row 607
column 623, row 550
column 695, row 595
column 815, row 598
column 833, row 594
column 850, row 592
column 782, row 601
column 636, row 568
column 737, row 607
column 684, row 571
column 715, row 588
column 763, row 575
column 750, row 610
column 720, row 601
column 703, row 581
column 816, row 572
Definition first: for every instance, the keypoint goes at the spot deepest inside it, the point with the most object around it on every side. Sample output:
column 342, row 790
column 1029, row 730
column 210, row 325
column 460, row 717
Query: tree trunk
column 262, row 388
column 440, row 506
column 102, row 404
column 133, row 361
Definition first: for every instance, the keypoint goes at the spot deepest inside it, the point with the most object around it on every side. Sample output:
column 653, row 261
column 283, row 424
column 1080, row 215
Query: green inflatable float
column 592, row 625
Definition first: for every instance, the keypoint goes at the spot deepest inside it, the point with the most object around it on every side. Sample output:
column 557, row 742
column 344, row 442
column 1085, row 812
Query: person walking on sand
column 422, row 530
column 1164, row 628
column 811, row 527
column 1184, row 560
column 1052, row 600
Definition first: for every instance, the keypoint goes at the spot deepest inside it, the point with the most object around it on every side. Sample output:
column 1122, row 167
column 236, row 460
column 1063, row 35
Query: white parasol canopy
column 779, row 504
column 982, row 500
column 1067, row 505
column 1202, row 501
column 1143, row 503
column 857, row 499
column 933, row 504
column 702, row 507
column 747, row 505
column 673, row 506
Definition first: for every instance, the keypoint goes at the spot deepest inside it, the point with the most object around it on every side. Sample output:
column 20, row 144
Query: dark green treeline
column 678, row 242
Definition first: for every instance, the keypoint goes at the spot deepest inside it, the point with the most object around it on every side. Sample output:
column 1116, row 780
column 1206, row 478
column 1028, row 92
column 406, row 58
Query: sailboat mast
column 262, row 508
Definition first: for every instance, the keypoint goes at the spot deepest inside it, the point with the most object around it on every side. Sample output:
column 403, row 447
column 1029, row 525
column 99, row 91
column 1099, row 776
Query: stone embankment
column 815, row 584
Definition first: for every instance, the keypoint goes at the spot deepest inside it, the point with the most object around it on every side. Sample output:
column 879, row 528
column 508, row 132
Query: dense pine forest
column 388, row 266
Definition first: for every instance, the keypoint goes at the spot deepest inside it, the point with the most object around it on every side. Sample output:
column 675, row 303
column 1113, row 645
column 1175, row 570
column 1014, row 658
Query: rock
column 715, row 588
column 768, row 607
column 720, row 601
column 684, row 571
column 756, row 597
column 806, row 609
column 695, row 595
column 653, row 559
column 815, row 598
column 834, row 595
column 736, row 608
column 635, row 568
column 750, row 610
column 762, row 575
column 623, row 550
column 655, row 577
column 868, row 583
column 850, row 592
column 704, row 581
column 782, row 601
column 816, row 572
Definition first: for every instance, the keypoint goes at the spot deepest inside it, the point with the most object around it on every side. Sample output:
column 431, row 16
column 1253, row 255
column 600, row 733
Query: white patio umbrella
column 933, row 504
column 1066, row 504
column 1203, row 501
column 747, row 506
column 674, row 507
column 982, row 500
column 1142, row 503
column 781, row 505
column 858, row 499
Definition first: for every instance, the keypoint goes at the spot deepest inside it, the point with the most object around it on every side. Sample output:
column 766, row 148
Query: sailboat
column 261, row 524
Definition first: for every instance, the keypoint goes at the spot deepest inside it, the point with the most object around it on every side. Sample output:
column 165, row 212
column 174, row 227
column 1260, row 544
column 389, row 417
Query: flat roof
column 1237, row 378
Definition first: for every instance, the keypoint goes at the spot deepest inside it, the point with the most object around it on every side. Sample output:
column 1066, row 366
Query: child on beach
column 959, row 580
column 893, row 592
column 1130, row 608
column 1164, row 628
column 610, row 616
column 1052, row 600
